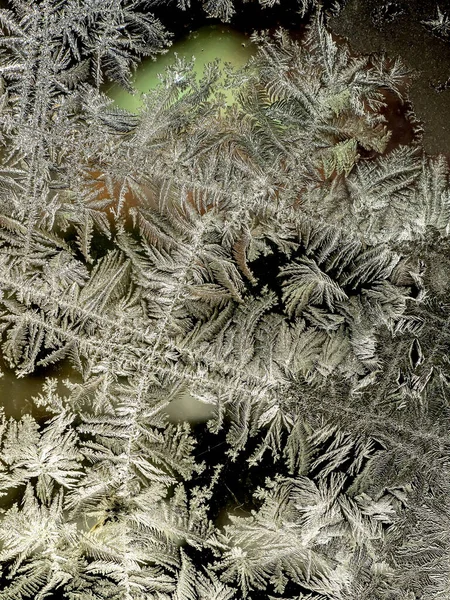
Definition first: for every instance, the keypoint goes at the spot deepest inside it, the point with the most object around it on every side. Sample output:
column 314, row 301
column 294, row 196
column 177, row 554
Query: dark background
column 396, row 28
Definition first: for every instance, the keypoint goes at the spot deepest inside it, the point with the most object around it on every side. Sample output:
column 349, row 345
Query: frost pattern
column 283, row 262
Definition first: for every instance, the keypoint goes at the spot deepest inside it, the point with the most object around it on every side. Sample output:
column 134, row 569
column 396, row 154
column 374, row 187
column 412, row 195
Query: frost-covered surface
column 284, row 261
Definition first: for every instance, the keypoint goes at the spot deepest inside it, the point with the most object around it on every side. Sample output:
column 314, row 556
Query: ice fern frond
column 304, row 284
column 49, row 457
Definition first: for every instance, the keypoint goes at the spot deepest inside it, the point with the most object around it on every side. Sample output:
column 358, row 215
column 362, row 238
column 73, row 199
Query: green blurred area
column 205, row 45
